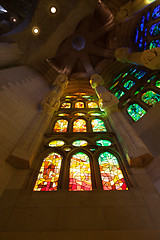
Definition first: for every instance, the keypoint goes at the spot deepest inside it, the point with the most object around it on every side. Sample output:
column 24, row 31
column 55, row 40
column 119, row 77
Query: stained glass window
column 95, row 114
column 48, row 176
column 92, row 105
column 63, row 114
column 103, row 143
column 135, row 111
column 79, row 105
column 79, row 114
column 66, row 105
column 155, row 29
column 156, row 12
column 149, row 80
column 80, row 173
column 148, row 14
column 158, row 83
column 119, row 94
column 140, row 46
column 129, row 84
column 98, row 125
column 142, row 23
column 154, row 44
column 136, row 36
column 140, row 74
column 150, row 97
column 138, row 90
column 61, row 125
column 80, row 143
column 114, row 85
column 79, row 125
column 115, row 79
column 56, row 143
column 111, row 174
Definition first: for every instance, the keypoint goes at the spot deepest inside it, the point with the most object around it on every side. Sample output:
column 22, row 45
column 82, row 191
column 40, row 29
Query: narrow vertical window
column 80, row 173
column 48, row 176
column 111, row 174
column 79, row 125
column 98, row 125
column 61, row 125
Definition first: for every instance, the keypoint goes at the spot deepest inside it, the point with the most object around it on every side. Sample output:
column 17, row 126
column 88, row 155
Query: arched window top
column 156, row 12
column 111, row 174
column 119, row 94
column 155, row 29
column 98, row 125
column 158, row 83
column 80, row 143
column 92, row 104
column 135, row 111
column 56, row 143
column 66, row 105
column 79, row 104
column 80, row 173
column 150, row 97
column 61, row 125
column 48, row 176
column 154, row 44
column 79, row 125
column 128, row 84
column 103, row 143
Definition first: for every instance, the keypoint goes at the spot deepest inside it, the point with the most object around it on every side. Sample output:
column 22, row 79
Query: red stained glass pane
column 79, row 125
column 61, row 126
column 79, row 105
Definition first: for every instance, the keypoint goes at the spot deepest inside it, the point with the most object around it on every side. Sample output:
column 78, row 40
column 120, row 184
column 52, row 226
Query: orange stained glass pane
column 92, row 105
column 66, row 105
column 79, row 125
column 61, row 125
column 48, row 176
column 80, row 173
column 79, row 104
column 79, row 114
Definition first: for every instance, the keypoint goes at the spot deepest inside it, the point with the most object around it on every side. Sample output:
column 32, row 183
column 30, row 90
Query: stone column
column 149, row 58
column 136, row 152
column 131, row 8
column 9, row 54
column 27, row 147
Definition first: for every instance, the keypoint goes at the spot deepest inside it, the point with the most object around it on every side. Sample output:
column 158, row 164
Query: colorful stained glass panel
column 155, row 29
column 48, row 176
column 63, row 114
column 56, row 143
column 158, row 83
column 61, row 125
column 66, row 105
column 95, row 114
column 150, row 98
column 104, row 143
column 80, row 143
column 156, row 12
column 135, row 111
column 80, row 173
column 154, row 44
column 79, row 105
column 79, row 114
column 98, row 125
column 111, row 174
column 79, row 125
column 129, row 84
column 119, row 94
column 140, row 74
column 92, row 105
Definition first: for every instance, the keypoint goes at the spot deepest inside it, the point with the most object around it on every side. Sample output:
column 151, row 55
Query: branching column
column 149, row 58
column 26, row 149
column 136, row 152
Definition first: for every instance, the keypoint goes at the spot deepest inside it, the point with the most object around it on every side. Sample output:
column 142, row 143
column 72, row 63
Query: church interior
column 80, row 153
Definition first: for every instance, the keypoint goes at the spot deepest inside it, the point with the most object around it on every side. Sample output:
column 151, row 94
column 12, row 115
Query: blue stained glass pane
column 151, row 78
column 140, row 46
column 154, row 44
column 142, row 23
column 129, row 84
column 145, row 45
column 145, row 33
column 155, row 29
column 119, row 94
column 136, row 37
column 135, row 111
column 148, row 14
column 156, row 12
column 133, row 71
column 140, row 74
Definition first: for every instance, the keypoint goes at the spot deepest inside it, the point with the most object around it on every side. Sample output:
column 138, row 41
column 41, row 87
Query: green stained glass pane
column 111, row 174
column 158, row 83
column 86, row 96
column 98, row 125
column 48, row 176
column 140, row 74
column 114, row 85
column 92, row 105
column 80, row 143
column 79, row 105
column 138, row 90
column 71, row 96
column 135, row 111
column 119, row 94
column 154, row 44
column 96, row 114
column 103, row 143
column 150, row 98
column 115, row 79
column 129, row 84
column 149, row 80
column 63, row 114
column 80, row 173
column 79, row 125
column 61, row 125
column 66, row 105
column 56, row 143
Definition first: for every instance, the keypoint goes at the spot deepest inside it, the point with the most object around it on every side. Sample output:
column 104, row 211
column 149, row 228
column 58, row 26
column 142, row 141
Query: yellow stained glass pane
column 79, row 125
column 61, row 125
column 79, row 104
column 66, row 105
column 92, row 105
column 56, row 143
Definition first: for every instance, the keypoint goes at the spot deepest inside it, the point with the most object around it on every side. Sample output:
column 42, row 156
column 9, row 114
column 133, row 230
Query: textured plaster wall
column 21, row 90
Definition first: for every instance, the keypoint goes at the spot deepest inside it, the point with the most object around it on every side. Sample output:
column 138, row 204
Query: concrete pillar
column 9, row 54
column 27, row 147
column 136, row 152
column 149, row 58
column 131, row 8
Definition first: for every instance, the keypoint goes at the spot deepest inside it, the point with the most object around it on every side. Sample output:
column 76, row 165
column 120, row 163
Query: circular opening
column 53, row 10
column 35, row 30
column 78, row 43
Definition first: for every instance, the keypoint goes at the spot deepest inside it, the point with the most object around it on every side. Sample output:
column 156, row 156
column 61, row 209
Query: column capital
column 96, row 80
column 61, row 81
column 151, row 58
column 108, row 101
column 50, row 103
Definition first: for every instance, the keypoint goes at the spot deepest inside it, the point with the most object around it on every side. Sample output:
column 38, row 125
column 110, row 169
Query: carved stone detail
column 61, row 81
column 151, row 58
column 122, row 54
column 96, row 80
